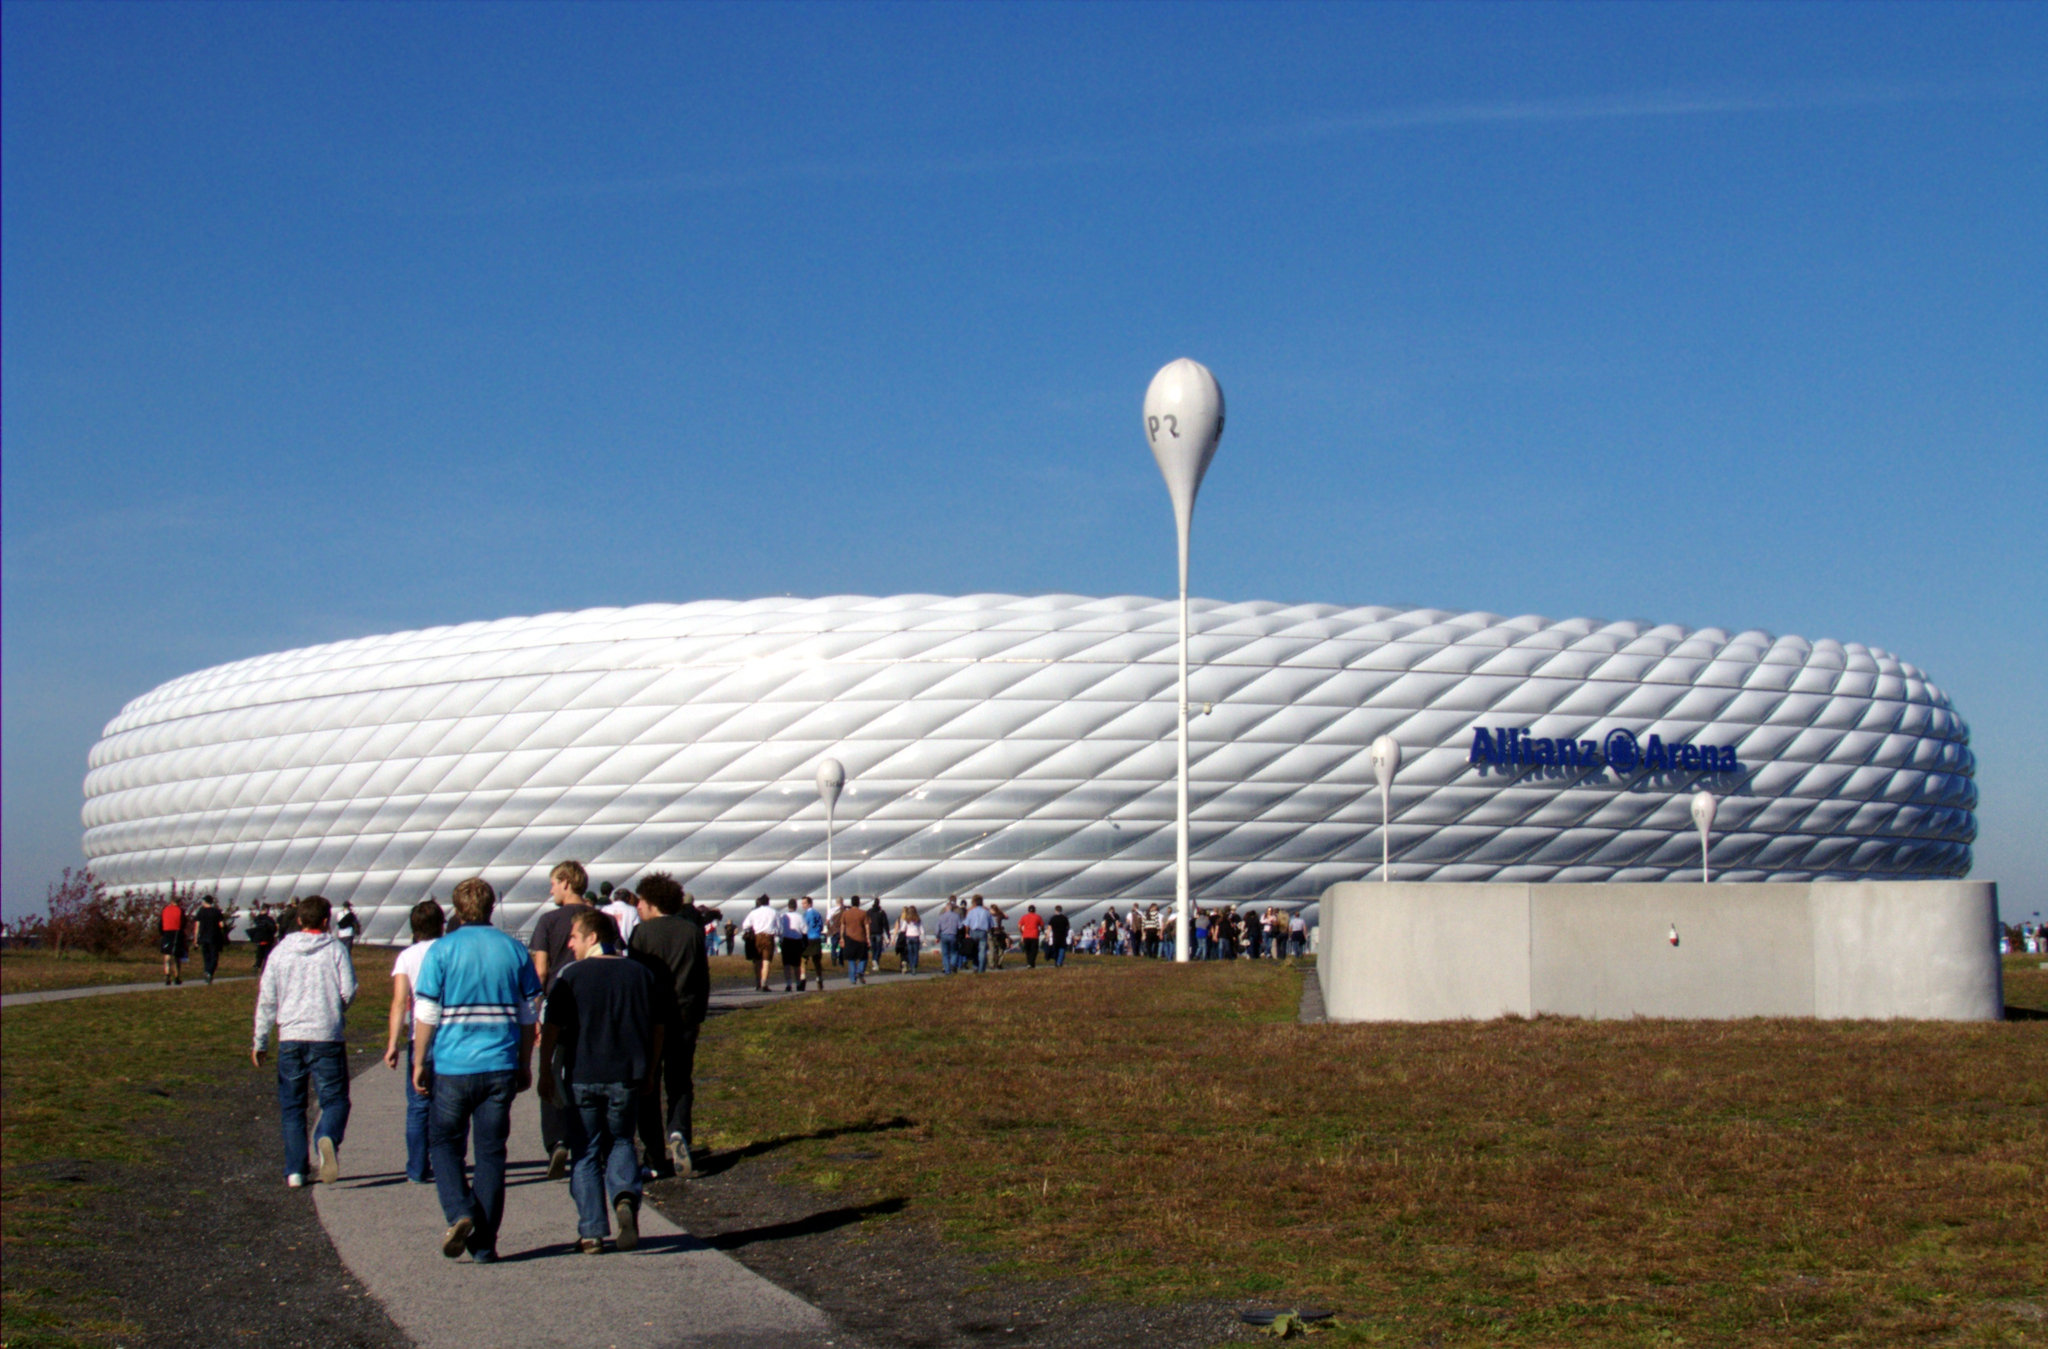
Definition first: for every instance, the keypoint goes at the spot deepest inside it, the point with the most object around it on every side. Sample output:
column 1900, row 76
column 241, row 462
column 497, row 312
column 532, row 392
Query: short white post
column 831, row 777
column 1703, row 816
column 1386, row 761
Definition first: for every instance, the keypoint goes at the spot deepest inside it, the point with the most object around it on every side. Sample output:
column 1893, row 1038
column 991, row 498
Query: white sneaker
column 330, row 1164
column 295, row 1180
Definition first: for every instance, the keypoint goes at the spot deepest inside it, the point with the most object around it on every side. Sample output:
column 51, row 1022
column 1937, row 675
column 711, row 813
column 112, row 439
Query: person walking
column 567, row 884
column 1058, row 930
column 814, row 944
column 878, row 934
column 428, row 923
column 623, row 907
column 212, row 927
column 303, row 996
column 600, row 1048
column 850, row 925
column 171, row 938
column 1030, row 930
column 976, row 930
column 473, row 1033
column 262, row 934
column 759, row 928
column 909, row 938
column 790, row 940
column 946, row 927
column 348, row 927
column 670, row 942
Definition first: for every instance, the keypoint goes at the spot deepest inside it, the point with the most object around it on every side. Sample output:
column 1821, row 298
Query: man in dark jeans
column 473, row 1019
column 1059, row 929
column 262, row 934
column 670, row 942
column 567, row 884
column 306, row 989
column 600, row 1046
column 213, row 934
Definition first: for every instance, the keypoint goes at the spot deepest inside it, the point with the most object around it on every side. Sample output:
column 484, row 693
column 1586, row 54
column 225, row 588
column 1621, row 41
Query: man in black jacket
column 669, row 940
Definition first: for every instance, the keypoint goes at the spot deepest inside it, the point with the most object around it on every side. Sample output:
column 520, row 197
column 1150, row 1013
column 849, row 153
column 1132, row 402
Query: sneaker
column 628, row 1215
column 558, row 1163
column 591, row 1245
column 295, row 1180
column 457, row 1237
column 330, row 1164
column 483, row 1257
column 679, row 1154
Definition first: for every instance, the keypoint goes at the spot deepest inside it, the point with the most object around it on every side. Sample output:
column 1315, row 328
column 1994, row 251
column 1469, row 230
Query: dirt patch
column 891, row 1280
column 208, row 1247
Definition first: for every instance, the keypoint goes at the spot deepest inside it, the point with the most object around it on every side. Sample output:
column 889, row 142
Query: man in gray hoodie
column 308, row 983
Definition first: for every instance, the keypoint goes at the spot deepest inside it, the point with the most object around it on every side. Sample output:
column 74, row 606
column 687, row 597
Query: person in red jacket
column 171, row 940
column 1031, row 928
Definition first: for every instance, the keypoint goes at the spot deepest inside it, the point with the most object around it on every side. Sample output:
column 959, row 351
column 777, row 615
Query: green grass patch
column 91, row 1081
column 1171, row 1133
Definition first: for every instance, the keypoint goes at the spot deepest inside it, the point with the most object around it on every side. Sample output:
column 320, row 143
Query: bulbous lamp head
column 831, row 777
column 1183, row 422
column 1703, row 811
column 1386, row 760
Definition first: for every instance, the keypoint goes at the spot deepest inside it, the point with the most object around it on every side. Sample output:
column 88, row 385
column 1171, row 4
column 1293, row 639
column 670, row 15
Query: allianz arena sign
column 1619, row 750
column 1023, row 747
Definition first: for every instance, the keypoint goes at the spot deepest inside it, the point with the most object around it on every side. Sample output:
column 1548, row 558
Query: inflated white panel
column 1016, row 746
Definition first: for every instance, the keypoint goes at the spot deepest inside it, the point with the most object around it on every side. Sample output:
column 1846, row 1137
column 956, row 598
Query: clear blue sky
column 322, row 321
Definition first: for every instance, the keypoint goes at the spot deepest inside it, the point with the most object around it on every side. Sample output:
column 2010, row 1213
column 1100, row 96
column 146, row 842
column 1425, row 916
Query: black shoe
column 558, row 1163
column 627, row 1215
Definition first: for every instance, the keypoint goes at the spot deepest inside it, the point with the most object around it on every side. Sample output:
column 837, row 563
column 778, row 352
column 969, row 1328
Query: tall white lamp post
column 1183, row 422
column 1386, row 761
column 831, row 777
column 1703, row 817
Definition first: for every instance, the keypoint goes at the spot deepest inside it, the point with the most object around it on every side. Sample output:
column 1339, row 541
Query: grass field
column 96, row 1080
column 39, row 971
column 1171, row 1133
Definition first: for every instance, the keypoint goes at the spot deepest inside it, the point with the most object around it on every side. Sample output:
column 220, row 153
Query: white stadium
column 1023, row 748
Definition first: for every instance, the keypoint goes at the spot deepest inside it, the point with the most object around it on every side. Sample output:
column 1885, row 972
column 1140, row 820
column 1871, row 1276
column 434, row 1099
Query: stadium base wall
column 1919, row 950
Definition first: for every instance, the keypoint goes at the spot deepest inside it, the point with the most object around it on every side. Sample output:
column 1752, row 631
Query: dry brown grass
column 39, row 971
column 1173, row 1133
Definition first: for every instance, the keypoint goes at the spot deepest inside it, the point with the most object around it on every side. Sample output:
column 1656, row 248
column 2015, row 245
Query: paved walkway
column 673, row 1293
column 99, row 990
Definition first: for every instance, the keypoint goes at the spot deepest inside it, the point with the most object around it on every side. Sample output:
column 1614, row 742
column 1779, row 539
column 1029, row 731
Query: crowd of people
column 611, row 989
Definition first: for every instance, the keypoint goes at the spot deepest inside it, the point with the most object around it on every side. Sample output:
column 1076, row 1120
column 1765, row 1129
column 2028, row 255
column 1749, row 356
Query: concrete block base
column 1923, row 950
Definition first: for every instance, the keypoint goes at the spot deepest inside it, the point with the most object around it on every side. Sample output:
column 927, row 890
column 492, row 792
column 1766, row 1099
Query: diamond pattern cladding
column 1019, row 747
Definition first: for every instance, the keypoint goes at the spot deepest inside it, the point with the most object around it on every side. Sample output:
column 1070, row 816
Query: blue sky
column 322, row 321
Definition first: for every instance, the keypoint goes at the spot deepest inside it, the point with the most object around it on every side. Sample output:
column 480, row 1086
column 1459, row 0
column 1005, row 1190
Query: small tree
column 72, row 903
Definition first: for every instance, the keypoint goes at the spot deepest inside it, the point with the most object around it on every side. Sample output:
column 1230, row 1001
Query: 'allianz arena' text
column 1022, row 748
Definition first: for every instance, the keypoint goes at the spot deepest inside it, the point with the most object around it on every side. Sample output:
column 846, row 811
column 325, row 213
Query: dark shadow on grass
column 829, row 1221
column 2025, row 1014
column 724, row 1161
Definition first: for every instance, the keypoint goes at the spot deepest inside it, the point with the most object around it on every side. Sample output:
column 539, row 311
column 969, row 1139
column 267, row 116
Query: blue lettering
column 1482, row 747
column 1656, row 759
column 1545, row 749
column 1688, row 756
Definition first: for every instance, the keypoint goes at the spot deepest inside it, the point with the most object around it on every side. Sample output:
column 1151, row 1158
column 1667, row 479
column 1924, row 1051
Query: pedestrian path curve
column 672, row 1293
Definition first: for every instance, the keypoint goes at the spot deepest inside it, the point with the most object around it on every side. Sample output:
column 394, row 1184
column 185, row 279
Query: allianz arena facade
column 1022, row 748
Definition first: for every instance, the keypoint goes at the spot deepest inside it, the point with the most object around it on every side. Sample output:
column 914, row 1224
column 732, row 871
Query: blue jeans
column 949, row 954
column 911, row 946
column 598, row 1127
column 1059, row 956
column 976, row 953
column 419, row 1169
column 479, row 1103
column 324, row 1065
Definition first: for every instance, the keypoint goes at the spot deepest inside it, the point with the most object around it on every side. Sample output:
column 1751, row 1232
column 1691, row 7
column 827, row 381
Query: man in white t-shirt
column 623, row 906
column 428, row 923
column 760, row 928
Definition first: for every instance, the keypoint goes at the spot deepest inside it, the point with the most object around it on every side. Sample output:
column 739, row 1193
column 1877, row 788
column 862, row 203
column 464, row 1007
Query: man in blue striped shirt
column 473, row 1026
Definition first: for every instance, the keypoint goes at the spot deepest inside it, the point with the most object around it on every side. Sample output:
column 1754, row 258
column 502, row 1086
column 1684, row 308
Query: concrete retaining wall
column 1436, row 952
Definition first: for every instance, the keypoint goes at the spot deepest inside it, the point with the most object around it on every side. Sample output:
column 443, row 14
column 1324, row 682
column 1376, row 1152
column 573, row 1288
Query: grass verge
column 1175, row 1134
column 97, row 1080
